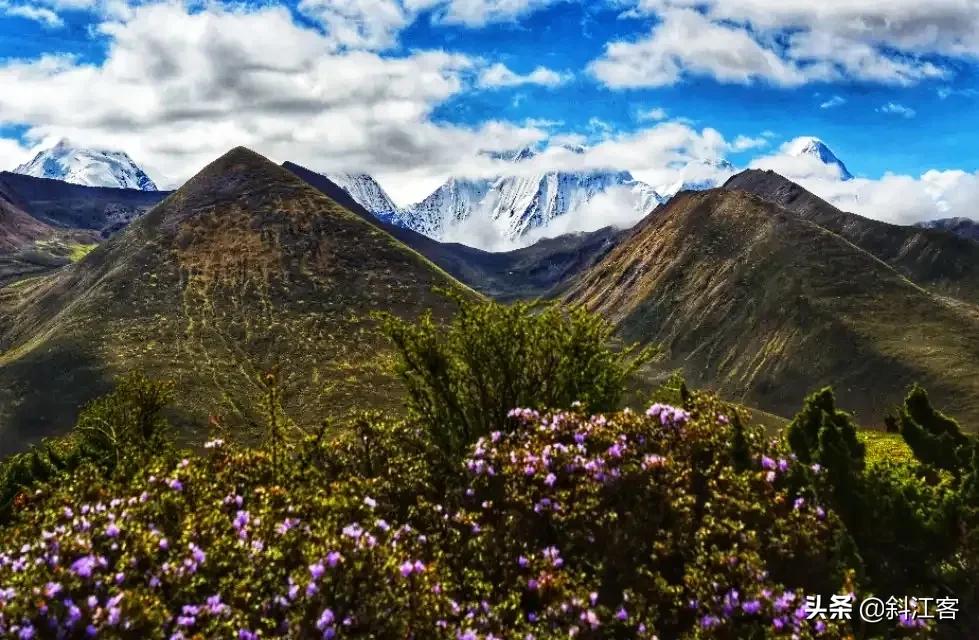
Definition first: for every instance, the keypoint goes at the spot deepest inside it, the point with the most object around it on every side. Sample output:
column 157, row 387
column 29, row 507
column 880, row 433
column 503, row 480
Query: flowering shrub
column 622, row 525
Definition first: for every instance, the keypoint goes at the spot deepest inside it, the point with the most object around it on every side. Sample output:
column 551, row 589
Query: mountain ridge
column 766, row 306
column 933, row 258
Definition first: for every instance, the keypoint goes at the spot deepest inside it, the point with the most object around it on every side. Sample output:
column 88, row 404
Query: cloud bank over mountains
column 341, row 87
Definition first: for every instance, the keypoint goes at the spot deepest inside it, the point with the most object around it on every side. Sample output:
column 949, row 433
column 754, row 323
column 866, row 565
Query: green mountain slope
column 244, row 269
column 934, row 258
column 763, row 305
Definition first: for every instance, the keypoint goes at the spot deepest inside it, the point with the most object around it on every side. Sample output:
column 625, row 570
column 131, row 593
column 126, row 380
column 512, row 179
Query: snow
column 509, row 207
column 367, row 193
column 88, row 167
column 809, row 146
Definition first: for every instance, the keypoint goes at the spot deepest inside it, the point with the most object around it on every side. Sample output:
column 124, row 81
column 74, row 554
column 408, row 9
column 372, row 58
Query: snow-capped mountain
column 88, row 167
column 699, row 176
column 450, row 204
column 808, row 146
column 368, row 193
column 513, row 205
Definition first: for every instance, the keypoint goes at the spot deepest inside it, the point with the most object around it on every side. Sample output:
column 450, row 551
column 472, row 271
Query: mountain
column 962, row 227
column 28, row 246
column 932, row 258
column 368, row 193
column 510, row 206
column 72, row 206
column 698, row 176
column 17, row 227
column 540, row 270
column 89, row 167
column 245, row 270
column 810, row 147
column 765, row 306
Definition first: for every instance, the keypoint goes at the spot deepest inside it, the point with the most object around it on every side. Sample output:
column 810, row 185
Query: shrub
column 122, row 427
column 618, row 525
column 463, row 378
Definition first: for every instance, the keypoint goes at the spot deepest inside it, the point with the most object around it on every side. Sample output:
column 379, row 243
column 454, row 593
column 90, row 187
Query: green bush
column 463, row 378
column 618, row 525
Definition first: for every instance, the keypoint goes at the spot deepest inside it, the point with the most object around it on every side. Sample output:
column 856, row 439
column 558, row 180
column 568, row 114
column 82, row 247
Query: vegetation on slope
column 676, row 522
column 243, row 270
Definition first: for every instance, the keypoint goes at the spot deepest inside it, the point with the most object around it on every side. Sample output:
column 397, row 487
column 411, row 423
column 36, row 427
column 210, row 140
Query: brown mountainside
column 933, row 258
column 765, row 306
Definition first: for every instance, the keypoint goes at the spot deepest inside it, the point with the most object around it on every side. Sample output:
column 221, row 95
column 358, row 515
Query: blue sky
column 892, row 89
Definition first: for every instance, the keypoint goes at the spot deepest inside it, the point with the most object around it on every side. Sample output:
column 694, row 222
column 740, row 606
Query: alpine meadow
column 489, row 320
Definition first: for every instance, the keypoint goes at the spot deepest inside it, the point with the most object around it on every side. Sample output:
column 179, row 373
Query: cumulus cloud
column 12, row 153
column 744, row 143
column 895, row 108
column 197, row 83
column 899, row 199
column 477, row 13
column 787, row 42
column 361, row 24
column 685, row 42
column 499, row 75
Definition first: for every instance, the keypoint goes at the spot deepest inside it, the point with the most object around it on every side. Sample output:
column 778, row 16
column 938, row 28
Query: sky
column 413, row 91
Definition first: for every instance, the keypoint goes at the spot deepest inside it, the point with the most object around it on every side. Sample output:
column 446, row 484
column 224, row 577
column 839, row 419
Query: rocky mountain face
column 506, row 208
column 962, row 227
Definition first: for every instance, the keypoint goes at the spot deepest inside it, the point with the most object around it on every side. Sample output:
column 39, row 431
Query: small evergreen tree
column 934, row 438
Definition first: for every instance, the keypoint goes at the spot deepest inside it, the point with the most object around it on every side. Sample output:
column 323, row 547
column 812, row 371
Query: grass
column 883, row 446
column 77, row 250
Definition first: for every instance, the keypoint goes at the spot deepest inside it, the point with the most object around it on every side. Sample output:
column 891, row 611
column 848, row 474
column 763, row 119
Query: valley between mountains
column 755, row 288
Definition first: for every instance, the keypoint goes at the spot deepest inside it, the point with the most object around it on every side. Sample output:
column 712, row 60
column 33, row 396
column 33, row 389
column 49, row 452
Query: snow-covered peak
column 808, row 146
column 88, row 167
column 698, row 176
column 367, row 193
column 514, row 155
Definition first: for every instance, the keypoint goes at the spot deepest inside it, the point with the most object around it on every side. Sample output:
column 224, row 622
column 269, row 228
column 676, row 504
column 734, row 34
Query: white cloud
column 686, row 42
column 835, row 101
column 886, row 42
column 179, row 88
column 499, row 75
column 656, row 113
column 743, row 143
column 898, row 199
column 898, row 109
column 477, row 13
column 41, row 14
column 359, row 24
column 12, row 154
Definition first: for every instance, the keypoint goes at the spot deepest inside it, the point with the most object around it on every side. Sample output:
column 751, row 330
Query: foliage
column 463, row 378
column 936, row 439
column 116, row 429
column 116, row 432
column 549, row 537
column 684, row 521
column 910, row 520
